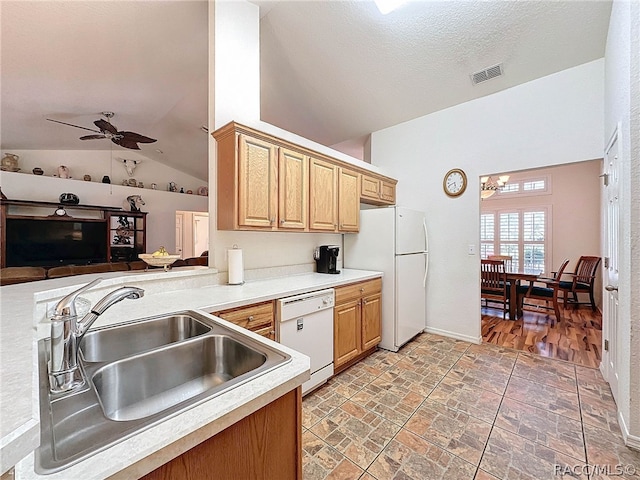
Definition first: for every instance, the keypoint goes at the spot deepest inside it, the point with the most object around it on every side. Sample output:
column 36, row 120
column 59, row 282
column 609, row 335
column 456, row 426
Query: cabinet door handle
column 364, row 302
column 282, row 222
column 362, row 290
column 250, row 318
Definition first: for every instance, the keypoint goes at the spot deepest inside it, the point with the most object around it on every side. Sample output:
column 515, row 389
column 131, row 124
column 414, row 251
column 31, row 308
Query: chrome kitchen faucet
column 67, row 332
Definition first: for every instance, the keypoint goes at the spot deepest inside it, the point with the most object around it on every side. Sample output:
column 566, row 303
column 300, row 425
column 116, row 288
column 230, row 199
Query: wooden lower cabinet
column 346, row 332
column 264, row 445
column 371, row 320
column 357, row 322
column 258, row 318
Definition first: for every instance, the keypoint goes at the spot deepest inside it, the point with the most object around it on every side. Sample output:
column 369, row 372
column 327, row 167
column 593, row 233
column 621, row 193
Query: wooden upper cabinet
column 267, row 183
column 323, row 204
column 257, row 183
column 293, row 188
column 388, row 192
column 377, row 190
column 247, row 182
column 370, row 188
column 348, row 200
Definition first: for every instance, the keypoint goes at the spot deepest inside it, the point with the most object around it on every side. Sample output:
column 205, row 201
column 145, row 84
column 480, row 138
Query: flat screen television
column 50, row 242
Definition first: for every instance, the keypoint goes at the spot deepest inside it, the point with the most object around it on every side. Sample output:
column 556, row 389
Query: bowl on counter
column 163, row 261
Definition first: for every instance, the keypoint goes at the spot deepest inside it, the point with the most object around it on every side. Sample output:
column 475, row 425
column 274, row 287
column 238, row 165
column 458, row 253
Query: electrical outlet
column 472, row 249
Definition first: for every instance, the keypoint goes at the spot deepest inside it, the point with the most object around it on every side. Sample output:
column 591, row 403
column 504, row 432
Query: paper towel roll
column 236, row 268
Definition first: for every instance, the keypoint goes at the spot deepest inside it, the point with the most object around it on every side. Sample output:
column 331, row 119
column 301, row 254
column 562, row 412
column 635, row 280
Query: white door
column 179, row 233
column 410, row 294
column 611, row 332
column 411, row 233
column 200, row 233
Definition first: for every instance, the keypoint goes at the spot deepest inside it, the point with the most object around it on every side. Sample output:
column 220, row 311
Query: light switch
column 472, row 249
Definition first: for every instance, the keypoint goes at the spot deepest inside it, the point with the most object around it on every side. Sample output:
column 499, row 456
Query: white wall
column 622, row 104
column 236, row 57
column 236, row 94
column 574, row 198
column 160, row 204
column 553, row 120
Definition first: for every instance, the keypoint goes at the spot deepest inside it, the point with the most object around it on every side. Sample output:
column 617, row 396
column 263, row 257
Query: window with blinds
column 526, row 187
column 521, row 233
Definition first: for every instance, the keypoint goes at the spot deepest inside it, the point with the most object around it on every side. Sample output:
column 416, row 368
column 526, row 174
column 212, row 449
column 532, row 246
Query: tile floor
column 446, row 409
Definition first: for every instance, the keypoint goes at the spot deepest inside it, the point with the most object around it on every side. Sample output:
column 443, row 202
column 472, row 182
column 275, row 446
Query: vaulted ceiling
column 331, row 71
column 71, row 60
column 337, row 70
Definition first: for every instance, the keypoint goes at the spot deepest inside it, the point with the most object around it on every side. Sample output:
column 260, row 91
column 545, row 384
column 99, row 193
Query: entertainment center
column 48, row 234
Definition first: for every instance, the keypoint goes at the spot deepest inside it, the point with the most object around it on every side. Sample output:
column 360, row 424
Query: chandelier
column 489, row 186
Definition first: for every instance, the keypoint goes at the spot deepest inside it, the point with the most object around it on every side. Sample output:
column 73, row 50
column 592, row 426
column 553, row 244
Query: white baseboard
column 457, row 336
column 603, row 371
column 631, row 441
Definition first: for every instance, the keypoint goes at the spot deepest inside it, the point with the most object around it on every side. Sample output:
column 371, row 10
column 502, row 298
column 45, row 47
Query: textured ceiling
column 71, row 60
column 331, row 71
column 337, row 70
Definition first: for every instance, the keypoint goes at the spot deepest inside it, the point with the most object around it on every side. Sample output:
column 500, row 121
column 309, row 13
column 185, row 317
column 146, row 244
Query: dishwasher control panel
column 304, row 304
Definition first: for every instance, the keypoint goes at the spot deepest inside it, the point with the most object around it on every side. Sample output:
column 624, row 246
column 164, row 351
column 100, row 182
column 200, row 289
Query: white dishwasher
column 306, row 325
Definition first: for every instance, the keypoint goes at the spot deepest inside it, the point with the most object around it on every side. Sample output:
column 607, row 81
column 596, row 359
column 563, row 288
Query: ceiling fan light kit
column 109, row 131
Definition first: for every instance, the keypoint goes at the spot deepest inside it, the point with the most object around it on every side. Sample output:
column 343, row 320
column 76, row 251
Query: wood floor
column 577, row 338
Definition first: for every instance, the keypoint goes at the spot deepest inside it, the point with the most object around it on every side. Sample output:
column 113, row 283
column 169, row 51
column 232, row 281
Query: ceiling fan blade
column 123, row 142
column 92, row 137
column 71, row 125
column 105, row 126
column 136, row 137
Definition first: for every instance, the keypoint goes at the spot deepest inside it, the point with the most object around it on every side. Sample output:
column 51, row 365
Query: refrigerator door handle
column 426, row 237
column 426, row 269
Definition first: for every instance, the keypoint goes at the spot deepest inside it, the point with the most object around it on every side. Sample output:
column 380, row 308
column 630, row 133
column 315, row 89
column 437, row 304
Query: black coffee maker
column 326, row 257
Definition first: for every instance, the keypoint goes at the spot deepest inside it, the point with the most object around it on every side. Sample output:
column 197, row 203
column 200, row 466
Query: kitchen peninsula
column 24, row 322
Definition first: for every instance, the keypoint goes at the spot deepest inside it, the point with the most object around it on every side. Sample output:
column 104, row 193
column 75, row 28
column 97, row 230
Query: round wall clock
column 455, row 182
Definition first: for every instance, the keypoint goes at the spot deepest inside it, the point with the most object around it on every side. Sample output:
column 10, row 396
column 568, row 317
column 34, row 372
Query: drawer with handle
column 358, row 290
column 252, row 317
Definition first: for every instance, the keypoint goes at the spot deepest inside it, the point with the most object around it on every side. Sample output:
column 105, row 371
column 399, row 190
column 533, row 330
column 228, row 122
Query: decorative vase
column 38, row 171
column 106, row 179
column 87, row 178
column 9, row 163
column 63, row 172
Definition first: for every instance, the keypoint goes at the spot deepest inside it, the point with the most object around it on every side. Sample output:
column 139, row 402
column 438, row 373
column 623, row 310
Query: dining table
column 514, row 278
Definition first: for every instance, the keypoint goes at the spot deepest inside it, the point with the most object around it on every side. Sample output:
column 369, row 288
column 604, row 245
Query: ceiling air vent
column 486, row 74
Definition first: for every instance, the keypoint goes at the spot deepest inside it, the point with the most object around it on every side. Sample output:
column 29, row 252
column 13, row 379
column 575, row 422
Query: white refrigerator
column 394, row 240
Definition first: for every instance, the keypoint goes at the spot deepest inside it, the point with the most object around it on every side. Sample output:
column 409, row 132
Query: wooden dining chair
column 582, row 281
column 493, row 283
column 507, row 259
column 547, row 293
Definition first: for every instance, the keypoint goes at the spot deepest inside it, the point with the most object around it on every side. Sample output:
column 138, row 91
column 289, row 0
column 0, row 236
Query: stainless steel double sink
column 138, row 374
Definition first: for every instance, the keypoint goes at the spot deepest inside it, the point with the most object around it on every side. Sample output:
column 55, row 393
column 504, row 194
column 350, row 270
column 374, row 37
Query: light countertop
column 23, row 323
